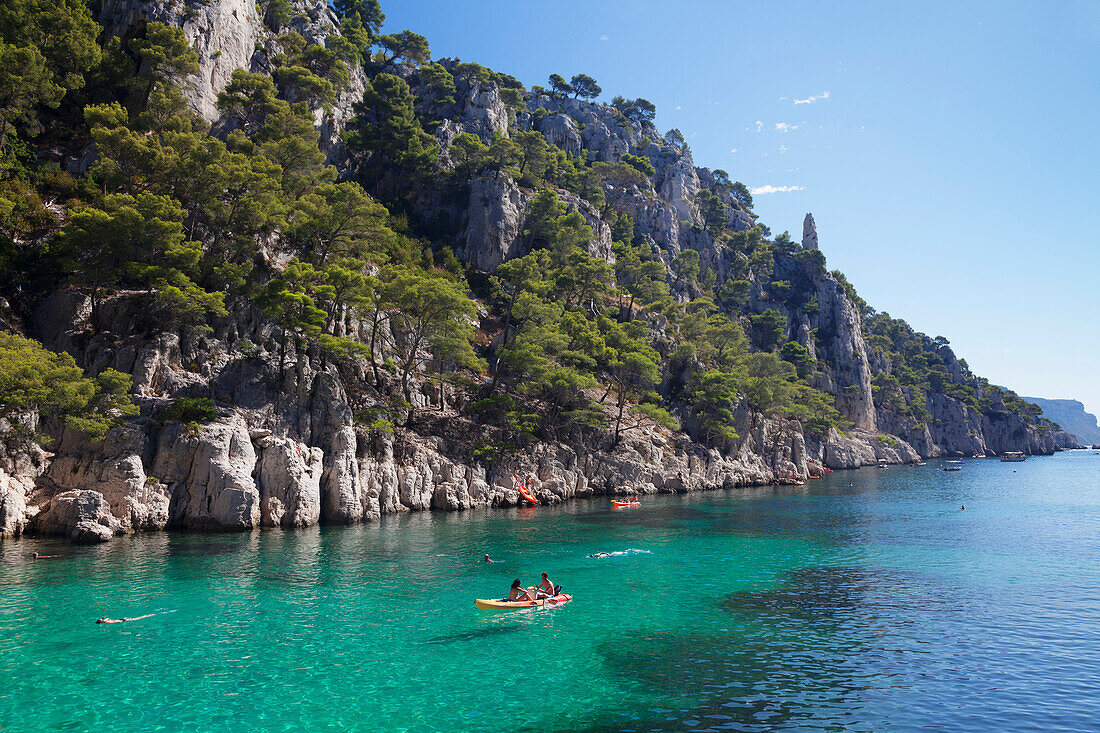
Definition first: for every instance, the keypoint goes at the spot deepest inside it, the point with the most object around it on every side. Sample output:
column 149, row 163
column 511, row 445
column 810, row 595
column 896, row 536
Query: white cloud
column 733, row 150
column 679, row 107
column 814, row 98
column 784, row 126
column 782, row 149
column 759, row 125
column 759, row 190
column 604, row 38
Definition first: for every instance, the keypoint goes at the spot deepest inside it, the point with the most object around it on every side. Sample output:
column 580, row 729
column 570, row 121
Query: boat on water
column 622, row 504
column 486, row 604
column 953, row 466
column 1013, row 456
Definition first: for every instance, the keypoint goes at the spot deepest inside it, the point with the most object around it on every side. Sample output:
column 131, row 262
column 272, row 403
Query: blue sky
column 948, row 151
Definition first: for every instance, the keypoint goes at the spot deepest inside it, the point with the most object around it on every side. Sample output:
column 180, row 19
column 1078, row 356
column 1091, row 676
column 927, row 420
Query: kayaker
column 519, row 593
column 546, row 588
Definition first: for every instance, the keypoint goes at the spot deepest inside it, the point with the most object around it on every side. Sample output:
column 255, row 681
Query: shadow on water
column 474, row 634
column 821, row 593
column 818, row 641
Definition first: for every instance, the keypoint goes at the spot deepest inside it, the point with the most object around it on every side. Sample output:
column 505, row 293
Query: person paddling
column 546, row 588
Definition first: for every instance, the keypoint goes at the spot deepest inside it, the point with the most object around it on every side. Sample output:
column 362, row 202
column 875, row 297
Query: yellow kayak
column 496, row 605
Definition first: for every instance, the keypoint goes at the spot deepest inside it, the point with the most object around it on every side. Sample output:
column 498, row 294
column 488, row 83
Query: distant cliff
column 1071, row 416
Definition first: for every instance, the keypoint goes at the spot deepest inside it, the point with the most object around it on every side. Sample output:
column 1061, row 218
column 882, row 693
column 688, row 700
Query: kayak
column 497, row 605
column 527, row 495
column 617, row 503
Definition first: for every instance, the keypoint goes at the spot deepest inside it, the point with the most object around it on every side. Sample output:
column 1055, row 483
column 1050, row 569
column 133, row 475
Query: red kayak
column 524, row 492
column 617, row 503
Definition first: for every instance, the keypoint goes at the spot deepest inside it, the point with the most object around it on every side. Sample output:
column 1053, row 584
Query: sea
column 868, row 600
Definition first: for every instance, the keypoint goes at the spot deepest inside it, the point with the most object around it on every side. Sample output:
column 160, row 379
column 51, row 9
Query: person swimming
column 601, row 554
column 486, row 558
column 44, row 557
column 105, row 620
column 519, row 593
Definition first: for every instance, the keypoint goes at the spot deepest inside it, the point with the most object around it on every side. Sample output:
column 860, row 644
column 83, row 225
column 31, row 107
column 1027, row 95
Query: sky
column 948, row 151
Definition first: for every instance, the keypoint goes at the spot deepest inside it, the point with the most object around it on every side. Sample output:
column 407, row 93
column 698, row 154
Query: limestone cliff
column 289, row 445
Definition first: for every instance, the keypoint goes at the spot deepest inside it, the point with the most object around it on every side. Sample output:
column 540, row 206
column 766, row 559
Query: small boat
column 953, row 466
column 527, row 495
column 826, row 470
column 626, row 503
column 503, row 605
column 1013, row 456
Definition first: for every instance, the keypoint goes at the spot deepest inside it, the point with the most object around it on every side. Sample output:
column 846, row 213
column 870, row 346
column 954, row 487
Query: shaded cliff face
column 287, row 449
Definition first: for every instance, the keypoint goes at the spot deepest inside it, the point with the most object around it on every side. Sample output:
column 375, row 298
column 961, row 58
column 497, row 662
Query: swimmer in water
column 486, row 558
column 601, row 554
column 963, row 506
column 106, row 620
column 43, row 557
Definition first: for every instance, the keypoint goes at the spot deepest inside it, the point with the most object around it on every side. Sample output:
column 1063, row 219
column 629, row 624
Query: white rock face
column 14, row 489
column 224, row 34
column 493, row 229
column 115, row 472
column 482, row 111
column 289, row 479
column 209, row 475
column 560, row 131
column 839, row 327
column 83, row 516
column 678, row 185
column 20, row 470
column 809, row 232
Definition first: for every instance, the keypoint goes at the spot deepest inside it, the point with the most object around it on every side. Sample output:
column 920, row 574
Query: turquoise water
column 880, row 605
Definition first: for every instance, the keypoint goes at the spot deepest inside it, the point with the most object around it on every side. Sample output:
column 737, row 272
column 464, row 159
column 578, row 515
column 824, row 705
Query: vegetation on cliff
column 195, row 219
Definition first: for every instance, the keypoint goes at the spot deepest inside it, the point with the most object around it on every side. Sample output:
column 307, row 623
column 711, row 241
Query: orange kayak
column 496, row 605
column 527, row 495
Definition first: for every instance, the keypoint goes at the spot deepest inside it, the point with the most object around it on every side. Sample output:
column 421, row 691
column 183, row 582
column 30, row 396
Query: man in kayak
column 519, row 593
column 545, row 589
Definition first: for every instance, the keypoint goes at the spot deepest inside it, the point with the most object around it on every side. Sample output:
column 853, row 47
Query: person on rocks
column 519, row 593
column 545, row 589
